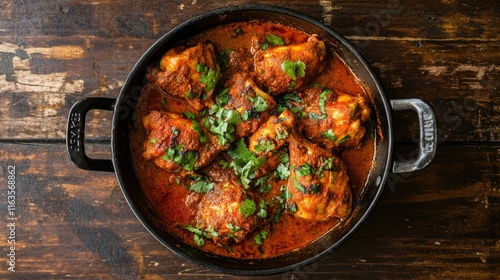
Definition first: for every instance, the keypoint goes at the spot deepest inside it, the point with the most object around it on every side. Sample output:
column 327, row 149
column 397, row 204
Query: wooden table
column 439, row 223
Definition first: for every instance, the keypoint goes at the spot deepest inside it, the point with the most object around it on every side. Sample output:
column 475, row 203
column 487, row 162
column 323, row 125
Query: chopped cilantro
column 262, row 212
column 233, row 228
column 197, row 128
column 285, row 158
column 175, row 131
column 305, row 170
column 187, row 159
column 260, row 237
column 245, row 116
column 244, row 163
column 273, row 40
column 294, row 69
column 190, row 95
column 223, row 59
column 209, row 77
column 189, row 115
column 282, row 171
column 264, row 146
column 317, row 117
column 260, row 104
column 222, row 123
column 298, row 186
column 322, row 100
column 152, row 141
column 163, row 102
column 223, row 97
column 329, row 134
column 238, row 32
column 199, row 234
column 343, row 139
column 201, row 184
column 248, row 207
column 281, row 134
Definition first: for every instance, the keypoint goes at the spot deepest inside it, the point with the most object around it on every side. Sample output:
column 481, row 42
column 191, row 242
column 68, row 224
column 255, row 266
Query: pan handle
column 427, row 143
column 75, row 133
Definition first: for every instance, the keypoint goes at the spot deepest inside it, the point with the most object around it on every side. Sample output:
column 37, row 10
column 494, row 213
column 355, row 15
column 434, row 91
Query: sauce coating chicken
column 286, row 68
column 254, row 105
column 220, row 211
column 188, row 74
column 176, row 143
column 318, row 182
column 240, row 141
column 333, row 120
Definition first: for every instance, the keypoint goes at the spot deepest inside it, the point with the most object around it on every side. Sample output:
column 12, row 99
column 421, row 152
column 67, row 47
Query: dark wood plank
column 439, row 222
column 463, row 89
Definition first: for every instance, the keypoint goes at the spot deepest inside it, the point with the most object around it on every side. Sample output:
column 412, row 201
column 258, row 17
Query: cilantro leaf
column 209, row 77
column 197, row 128
column 275, row 40
column 201, row 185
column 305, row 170
column 329, row 134
column 322, row 100
column 298, row 186
column 264, row 146
column 244, row 163
column 262, row 212
column 259, row 237
column 282, row 171
column 294, row 69
column 260, row 104
column 248, row 207
column 281, row 134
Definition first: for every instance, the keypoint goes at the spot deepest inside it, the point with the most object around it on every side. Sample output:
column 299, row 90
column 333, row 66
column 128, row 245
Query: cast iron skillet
column 124, row 105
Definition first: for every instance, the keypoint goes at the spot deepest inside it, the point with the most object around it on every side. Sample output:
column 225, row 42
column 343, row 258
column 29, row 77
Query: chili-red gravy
column 166, row 190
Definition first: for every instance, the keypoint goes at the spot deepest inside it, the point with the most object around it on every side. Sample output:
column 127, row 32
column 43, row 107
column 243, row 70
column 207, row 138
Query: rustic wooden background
column 439, row 223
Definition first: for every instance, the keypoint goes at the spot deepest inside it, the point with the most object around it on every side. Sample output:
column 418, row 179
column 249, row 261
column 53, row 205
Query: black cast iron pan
column 123, row 108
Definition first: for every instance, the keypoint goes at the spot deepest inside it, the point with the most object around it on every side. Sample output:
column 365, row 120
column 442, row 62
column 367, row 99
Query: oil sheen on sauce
column 167, row 193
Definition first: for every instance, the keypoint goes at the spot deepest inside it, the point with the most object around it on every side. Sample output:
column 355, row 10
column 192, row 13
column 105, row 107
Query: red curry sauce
column 167, row 192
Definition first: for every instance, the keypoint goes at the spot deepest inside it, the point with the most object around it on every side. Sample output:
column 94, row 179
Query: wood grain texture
column 438, row 223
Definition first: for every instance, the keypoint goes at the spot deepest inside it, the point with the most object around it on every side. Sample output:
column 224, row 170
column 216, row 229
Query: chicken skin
column 254, row 105
column 272, row 135
column 334, row 120
column 176, row 143
column 222, row 212
column 189, row 74
column 285, row 68
column 318, row 182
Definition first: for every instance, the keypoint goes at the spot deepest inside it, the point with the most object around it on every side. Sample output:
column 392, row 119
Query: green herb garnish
column 294, row 69
column 248, row 207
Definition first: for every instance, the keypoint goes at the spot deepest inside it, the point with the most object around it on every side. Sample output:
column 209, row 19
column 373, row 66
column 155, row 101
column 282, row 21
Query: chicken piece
column 254, row 105
column 272, row 135
column 190, row 74
column 176, row 143
column 227, row 212
column 286, row 68
column 334, row 120
column 318, row 182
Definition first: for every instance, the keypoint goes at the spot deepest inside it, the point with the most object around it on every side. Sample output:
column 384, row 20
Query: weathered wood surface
column 439, row 223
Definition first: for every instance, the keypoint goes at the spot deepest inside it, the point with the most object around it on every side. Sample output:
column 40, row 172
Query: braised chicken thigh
column 318, row 182
column 254, row 105
column 176, row 143
column 286, row 68
column 188, row 74
column 241, row 140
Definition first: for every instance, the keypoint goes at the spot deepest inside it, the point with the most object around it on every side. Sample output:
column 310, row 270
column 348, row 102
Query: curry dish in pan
column 252, row 139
